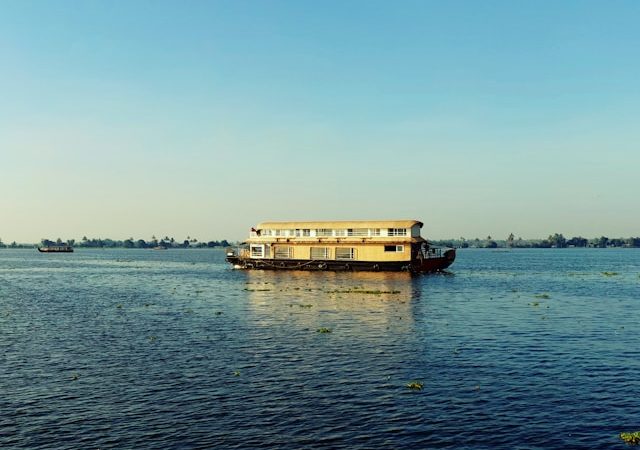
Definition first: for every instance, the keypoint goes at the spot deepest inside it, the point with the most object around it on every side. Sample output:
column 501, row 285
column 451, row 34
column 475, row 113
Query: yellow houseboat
column 385, row 245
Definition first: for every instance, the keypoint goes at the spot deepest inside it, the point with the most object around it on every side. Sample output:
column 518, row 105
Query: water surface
column 123, row 349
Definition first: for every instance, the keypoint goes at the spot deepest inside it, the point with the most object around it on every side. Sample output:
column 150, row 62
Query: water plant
column 415, row 385
column 323, row 330
column 610, row 274
column 545, row 296
column 631, row 438
column 236, row 373
column 75, row 377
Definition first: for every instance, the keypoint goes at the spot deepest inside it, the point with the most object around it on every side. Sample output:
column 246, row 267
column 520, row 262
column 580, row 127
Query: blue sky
column 123, row 119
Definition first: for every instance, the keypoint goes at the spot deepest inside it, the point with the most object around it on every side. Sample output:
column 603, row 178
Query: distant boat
column 64, row 248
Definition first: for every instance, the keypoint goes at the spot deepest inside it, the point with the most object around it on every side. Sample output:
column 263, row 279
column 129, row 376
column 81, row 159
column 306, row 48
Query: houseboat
column 389, row 245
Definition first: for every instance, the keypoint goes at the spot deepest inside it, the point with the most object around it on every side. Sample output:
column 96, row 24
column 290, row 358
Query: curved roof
column 340, row 224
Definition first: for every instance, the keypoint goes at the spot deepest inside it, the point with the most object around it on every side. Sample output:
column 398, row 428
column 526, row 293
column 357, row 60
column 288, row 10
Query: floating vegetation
column 545, row 296
column 363, row 291
column 236, row 373
column 75, row 377
column 415, row 385
column 218, row 313
column 631, row 438
column 610, row 274
column 305, row 306
column 152, row 338
column 256, row 290
column 323, row 330
column 535, row 303
column 119, row 306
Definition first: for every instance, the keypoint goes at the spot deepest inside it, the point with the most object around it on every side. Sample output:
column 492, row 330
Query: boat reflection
column 308, row 299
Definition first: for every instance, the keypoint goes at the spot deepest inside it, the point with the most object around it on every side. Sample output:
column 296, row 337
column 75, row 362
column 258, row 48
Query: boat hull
column 434, row 264
column 55, row 250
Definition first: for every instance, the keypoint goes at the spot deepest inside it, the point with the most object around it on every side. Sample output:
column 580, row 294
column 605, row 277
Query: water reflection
column 310, row 299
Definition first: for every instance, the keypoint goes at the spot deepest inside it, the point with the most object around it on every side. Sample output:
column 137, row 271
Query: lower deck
column 420, row 264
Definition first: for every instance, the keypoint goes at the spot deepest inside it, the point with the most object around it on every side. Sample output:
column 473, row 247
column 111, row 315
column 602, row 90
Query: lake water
column 141, row 349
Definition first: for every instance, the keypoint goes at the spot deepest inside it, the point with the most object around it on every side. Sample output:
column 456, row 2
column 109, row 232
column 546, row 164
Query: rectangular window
column 257, row 251
column 397, row 232
column 282, row 252
column 345, row 253
column 341, row 233
column 375, row 231
column 324, row 232
column 357, row 232
column 319, row 253
column 306, row 233
column 394, row 248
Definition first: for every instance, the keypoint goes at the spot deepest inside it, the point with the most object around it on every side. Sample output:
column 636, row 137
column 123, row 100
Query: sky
column 202, row 118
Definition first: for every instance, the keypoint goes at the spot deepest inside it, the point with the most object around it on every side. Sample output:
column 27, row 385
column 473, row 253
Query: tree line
column 556, row 240
column 165, row 242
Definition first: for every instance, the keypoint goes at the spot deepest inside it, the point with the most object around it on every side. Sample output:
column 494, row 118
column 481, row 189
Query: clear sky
column 202, row 118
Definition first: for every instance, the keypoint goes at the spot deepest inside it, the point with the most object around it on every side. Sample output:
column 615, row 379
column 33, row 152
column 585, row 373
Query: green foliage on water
column 610, row 274
column 363, row 291
column 323, row 330
column 415, row 385
column 631, row 438
column 236, row 373
column 545, row 296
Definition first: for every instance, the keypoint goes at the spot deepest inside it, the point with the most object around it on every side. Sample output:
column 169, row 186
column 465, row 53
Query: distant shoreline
column 553, row 241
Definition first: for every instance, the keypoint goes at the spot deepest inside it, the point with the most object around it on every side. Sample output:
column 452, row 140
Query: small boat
column 56, row 249
column 394, row 245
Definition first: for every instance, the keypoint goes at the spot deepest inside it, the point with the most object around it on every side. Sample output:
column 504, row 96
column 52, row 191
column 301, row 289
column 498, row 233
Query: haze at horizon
column 478, row 119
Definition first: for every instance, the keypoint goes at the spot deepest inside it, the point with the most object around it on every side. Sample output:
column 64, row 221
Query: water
column 135, row 349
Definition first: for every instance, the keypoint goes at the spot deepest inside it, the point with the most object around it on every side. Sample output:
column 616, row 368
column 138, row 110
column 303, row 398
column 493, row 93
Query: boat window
column 394, row 248
column 257, row 251
column 319, row 253
column 345, row 253
column 358, row 232
column 324, row 232
column 282, row 252
column 306, row 233
column 341, row 233
column 375, row 231
column 397, row 232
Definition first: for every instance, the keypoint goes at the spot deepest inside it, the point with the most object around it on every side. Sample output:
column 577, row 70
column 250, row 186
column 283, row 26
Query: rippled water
column 134, row 349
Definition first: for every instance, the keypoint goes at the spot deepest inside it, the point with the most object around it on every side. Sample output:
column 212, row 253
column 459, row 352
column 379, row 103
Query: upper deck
column 338, row 231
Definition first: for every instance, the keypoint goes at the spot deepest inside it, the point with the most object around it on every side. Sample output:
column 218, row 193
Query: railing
column 432, row 252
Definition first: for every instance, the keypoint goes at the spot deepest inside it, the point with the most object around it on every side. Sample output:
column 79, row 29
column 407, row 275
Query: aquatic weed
column 631, row 438
column 610, row 274
column 415, row 385
column 545, row 296
column 323, row 330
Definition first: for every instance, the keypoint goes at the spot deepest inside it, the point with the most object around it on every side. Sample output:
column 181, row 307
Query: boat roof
column 340, row 224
